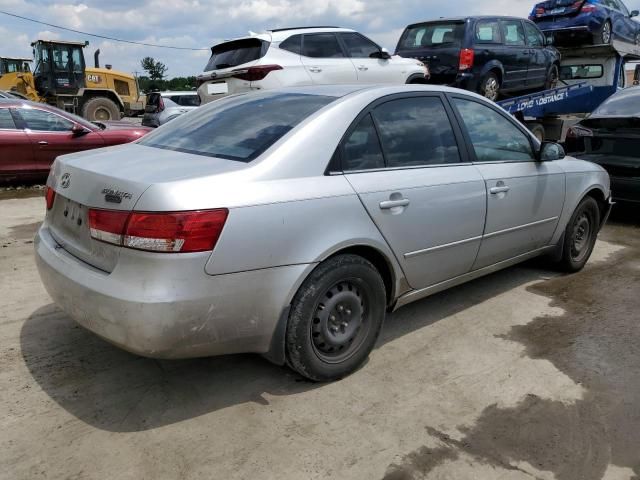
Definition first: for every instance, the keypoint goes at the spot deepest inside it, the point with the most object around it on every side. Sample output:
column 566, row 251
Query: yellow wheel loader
column 61, row 78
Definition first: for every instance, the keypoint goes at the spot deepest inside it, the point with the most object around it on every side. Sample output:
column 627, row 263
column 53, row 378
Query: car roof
column 282, row 34
column 176, row 92
column 464, row 19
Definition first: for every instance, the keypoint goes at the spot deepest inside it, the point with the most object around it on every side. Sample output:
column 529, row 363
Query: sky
column 199, row 24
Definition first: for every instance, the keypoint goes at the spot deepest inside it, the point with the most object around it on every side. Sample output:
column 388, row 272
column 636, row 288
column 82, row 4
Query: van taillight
column 49, row 196
column 466, row 58
column 253, row 74
column 168, row 232
column 160, row 105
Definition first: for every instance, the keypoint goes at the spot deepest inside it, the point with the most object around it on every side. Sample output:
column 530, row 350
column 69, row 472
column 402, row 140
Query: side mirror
column 550, row 151
column 383, row 54
column 634, row 13
column 78, row 130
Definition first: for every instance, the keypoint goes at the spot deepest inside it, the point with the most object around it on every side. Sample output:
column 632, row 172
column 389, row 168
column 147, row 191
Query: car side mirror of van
column 550, row 151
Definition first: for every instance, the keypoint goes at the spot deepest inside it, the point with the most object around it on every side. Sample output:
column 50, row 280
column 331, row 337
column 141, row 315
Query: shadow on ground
column 596, row 342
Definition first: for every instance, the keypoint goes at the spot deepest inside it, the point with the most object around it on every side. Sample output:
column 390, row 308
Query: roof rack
column 301, row 28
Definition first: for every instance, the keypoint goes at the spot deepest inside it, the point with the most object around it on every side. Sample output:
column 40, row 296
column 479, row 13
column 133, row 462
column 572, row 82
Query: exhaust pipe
column 96, row 58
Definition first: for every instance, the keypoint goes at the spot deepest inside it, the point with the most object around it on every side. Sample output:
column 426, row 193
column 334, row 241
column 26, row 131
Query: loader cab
column 59, row 67
column 14, row 65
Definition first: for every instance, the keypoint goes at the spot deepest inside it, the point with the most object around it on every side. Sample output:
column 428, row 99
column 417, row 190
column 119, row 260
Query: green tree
column 156, row 69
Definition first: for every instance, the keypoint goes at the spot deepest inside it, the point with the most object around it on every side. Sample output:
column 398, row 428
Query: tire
column 552, row 77
column 604, row 35
column 490, row 86
column 335, row 318
column 100, row 109
column 637, row 39
column 537, row 130
column 578, row 243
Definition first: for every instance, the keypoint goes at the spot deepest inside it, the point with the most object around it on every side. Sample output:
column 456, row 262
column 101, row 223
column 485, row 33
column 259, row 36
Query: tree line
column 156, row 77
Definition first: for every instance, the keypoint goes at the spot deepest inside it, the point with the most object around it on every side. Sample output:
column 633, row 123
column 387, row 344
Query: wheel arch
column 90, row 93
column 603, row 204
column 496, row 67
column 417, row 78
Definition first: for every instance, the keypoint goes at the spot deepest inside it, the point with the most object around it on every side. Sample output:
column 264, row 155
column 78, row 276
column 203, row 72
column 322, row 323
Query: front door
column 515, row 55
column 325, row 61
column 524, row 196
column 16, row 152
column 428, row 205
column 370, row 69
column 538, row 63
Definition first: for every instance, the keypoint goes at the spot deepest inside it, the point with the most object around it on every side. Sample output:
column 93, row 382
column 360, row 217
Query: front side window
column 358, row 46
column 534, row 37
column 44, row 121
column 361, row 150
column 6, row 120
column 494, row 137
column 513, row 32
column 322, row 45
column 488, row 31
column 416, row 131
column 61, row 58
column 238, row 128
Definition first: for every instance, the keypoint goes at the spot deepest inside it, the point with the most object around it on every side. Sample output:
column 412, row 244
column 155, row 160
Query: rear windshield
column 186, row 100
column 432, row 35
column 625, row 103
column 238, row 128
column 237, row 52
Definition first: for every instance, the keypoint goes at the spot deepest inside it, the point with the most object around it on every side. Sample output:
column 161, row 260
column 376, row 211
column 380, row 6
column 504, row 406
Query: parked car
column 488, row 55
column 302, row 56
column 32, row 135
column 601, row 21
column 5, row 94
column 610, row 137
column 287, row 222
column 162, row 107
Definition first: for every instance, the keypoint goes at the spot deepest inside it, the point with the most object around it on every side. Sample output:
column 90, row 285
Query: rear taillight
column 588, row 8
column 539, row 11
column 466, row 58
column 169, row 232
column 49, row 196
column 160, row 105
column 253, row 74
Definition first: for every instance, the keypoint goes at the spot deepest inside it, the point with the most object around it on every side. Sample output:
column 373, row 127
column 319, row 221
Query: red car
column 32, row 135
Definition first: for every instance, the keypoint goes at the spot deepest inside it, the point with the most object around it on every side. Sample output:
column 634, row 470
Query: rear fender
column 494, row 65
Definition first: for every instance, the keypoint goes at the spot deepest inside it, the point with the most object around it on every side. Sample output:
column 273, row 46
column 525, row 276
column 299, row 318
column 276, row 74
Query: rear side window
column 6, row 120
column 358, row 46
column 362, row 150
column 186, row 100
column 488, row 31
column 513, row 32
column 321, row 45
column 292, row 44
column 239, row 128
column 432, row 35
column 237, row 52
column 44, row 121
column 416, row 131
column 494, row 137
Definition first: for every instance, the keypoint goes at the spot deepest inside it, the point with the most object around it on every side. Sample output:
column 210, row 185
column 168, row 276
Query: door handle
column 389, row 204
column 501, row 189
column 315, row 69
column 42, row 142
column 363, row 68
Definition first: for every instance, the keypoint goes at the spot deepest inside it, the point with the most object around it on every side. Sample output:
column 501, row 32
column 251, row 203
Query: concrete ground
column 523, row 374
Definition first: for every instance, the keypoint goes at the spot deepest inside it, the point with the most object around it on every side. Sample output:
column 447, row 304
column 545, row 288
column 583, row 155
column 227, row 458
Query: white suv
column 302, row 56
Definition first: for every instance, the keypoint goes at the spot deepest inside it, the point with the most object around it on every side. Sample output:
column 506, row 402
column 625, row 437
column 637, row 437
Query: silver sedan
column 289, row 222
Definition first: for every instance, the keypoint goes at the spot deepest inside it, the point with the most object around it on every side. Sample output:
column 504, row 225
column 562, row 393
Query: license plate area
column 557, row 11
column 217, row 88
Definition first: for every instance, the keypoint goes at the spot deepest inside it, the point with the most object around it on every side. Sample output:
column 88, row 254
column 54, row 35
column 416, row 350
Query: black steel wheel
column 580, row 235
column 335, row 318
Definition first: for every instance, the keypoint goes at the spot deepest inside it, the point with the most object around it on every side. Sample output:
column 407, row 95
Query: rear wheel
column 490, row 86
column 580, row 235
column 604, row 36
column 637, row 39
column 101, row 109
column 335, row 318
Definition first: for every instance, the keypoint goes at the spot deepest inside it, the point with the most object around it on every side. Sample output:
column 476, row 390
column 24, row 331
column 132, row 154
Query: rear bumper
column 625, row 189
column 166, row 306
column 582, row 23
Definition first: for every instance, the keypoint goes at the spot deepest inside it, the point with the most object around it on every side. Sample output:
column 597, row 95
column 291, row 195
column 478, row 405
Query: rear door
column 402, row 158
column 516, row 55
column 16, row 152
column 371, row 70
column 524, row 197
column 538, row 63
column 325, row 60
column 51, row 136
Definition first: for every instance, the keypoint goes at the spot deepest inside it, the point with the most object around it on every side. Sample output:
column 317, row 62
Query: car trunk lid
column 558, row 8
column 113, row 178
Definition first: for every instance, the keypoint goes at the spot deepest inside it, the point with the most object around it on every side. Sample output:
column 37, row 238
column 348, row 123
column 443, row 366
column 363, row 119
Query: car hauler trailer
column 588, row 76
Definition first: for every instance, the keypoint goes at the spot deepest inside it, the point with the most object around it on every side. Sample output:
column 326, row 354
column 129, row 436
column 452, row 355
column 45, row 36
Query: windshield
column 432, row 35
column 237, row 52
column 238, row 128
column 625, row 103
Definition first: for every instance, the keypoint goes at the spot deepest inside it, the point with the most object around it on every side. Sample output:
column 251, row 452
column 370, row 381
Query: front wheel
column 335, row 318
column 490, row 87
column 580, row 236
